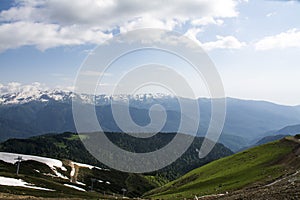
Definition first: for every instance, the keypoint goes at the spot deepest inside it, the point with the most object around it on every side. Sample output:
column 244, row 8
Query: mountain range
column 278, row 134
column 27, row 114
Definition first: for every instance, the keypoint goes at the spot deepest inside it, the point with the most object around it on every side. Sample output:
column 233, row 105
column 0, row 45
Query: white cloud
column 290, row 38
column 33, row 88
column 43, row 36
column 192, row 34
column 47, row 24
column 148, row 22
column 222, row 42
column 115, row 12
column 15, row 87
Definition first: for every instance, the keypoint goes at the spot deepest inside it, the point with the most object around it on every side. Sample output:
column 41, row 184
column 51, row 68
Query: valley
column 257, row 160
column 266, row 171
column 149, row 100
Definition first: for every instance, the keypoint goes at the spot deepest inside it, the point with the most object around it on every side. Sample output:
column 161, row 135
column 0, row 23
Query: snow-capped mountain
column 23, row 97
column 31, row 112
column 28, row 96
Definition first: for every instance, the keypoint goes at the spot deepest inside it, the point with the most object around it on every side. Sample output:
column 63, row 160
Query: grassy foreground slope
column 260, row 166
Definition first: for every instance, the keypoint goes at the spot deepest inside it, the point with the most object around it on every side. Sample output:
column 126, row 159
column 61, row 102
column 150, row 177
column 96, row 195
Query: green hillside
column 260, row 165
column 69, row 146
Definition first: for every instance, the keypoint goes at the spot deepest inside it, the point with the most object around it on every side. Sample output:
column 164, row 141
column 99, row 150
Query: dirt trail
column 74, row 172
column 282, row 179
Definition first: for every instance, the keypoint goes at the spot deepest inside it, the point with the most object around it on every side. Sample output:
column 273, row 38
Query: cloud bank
column 46, row 24
column 288, row 39
column 15, row 87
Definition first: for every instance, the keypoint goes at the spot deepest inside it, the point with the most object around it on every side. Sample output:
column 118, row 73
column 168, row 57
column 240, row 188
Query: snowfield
column 52, row 163
column 88, row 166
column 25, row 96
column 20, row 183
column 82, row 165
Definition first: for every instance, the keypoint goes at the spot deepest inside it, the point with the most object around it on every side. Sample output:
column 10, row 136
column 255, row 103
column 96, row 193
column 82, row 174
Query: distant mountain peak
column 23, row 97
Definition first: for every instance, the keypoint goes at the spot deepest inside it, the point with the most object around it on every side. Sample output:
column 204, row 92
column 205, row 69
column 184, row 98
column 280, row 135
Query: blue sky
column 254, row 44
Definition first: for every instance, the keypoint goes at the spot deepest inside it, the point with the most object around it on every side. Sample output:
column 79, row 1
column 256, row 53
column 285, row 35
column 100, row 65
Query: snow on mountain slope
column 75, row 187
column 52, row 163
column 88, row 166
column 21, row 97
column 75, row 166
column 35, row 95
column 20, row 183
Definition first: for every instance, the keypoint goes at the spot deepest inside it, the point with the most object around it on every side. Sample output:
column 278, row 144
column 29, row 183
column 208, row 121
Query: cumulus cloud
column 43, row 36
column 222, row 42
column 32, row 88
column 47, row 24
column 290, row 38
column 115, row 12
column 148, row 22
column 15, row 87
column 192, row 34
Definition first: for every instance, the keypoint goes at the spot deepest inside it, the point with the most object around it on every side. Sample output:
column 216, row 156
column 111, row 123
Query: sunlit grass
column 233, row 172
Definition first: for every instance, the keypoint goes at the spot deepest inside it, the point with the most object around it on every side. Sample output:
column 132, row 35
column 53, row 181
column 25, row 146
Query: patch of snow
column 52, row 163
column 60, row 175
column 107, row 182
column 80, row 183
column 83, row 165
column 19, row 183
column 63, row 168
column 99, row 168
column 75, row 187
column 57, row 174
column 48, row 174
column 88, row 166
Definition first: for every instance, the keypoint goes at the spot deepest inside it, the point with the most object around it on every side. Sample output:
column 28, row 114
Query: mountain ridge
column 246, row 121
column 278, row 134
